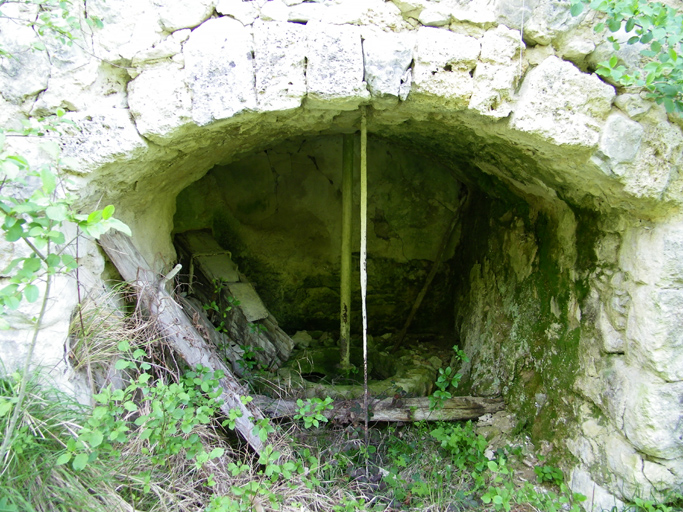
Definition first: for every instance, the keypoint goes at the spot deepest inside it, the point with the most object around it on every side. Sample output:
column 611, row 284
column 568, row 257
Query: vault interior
column 504, row 290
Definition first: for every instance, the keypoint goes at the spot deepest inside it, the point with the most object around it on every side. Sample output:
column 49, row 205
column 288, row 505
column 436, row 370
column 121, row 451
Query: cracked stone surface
column 564, row 270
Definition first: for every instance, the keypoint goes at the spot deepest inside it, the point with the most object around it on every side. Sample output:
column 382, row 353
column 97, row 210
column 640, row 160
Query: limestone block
column 50, row 345
column 101, row 137
column 543, row 20
column 244, row 12
column 633, row 105
column 166, row 48
column 443, row 64
column 575, row 45
column 500, row 46
column 129, row 27
column 387, row 61
column 481, row 13
column 651, row 416
column 661, row 478
column 377, row 13
column 79, row 85
column 493, row 89
column 160, row 102
column 275, row 10
column 27, row 72
column 176, row 14
column 280, row 63
column 561, row 105
column 220, row 70
column 661, row 153
column 305, row 12
column 654, row 335
column 620, row 139
column 334, row 76
column 434, row 17
column 612, row 340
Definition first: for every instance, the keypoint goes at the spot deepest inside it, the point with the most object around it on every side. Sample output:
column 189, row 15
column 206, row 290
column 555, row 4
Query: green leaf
column 80, row 461
column 31, row 292
column 108, row 212
column 96, row 438
column 14, row 233
column 130, row 406
column 95, row 217
column 669, row 105
column 630, row 23
column 576, row 8
column 69, row 261
column 216, row 452
column 48, row 179
column 123, row 345
column 56, row 212
column 63, row 458
column 56, row 236
column 32, row 264
column 121, row 364
column 121, row 226
column 5, row 407
column 53, row 260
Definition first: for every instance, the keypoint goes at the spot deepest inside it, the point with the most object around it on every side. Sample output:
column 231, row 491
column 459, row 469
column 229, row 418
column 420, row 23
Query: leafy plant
column 163, row 419
column 659, row 28
column 446, row 379
column 257, row 328
column 549, row 474
column 312, row 411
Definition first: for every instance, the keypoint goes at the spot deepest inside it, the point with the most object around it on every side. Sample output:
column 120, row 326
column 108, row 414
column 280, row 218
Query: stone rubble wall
column 168, row 89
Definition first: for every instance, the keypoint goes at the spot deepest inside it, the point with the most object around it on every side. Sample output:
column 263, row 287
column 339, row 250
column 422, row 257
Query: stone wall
column 570, row 264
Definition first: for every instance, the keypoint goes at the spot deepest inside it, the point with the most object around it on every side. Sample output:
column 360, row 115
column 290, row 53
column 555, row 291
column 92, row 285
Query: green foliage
column 446, row 379
column 257, row 328
column 549, row 474
column 55, row 20
column 656, row 26
column 35, row 211
column 464, row 445
column 163, row 418
column 312, row 411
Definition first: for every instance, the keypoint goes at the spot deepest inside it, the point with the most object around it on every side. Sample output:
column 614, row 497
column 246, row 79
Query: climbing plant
column 658, row 29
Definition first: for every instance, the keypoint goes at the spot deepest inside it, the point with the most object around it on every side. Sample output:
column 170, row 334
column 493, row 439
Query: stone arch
column 575, row 186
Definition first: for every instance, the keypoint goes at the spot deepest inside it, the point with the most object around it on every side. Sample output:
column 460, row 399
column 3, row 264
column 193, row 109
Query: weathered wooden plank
column 390, row 409
column 208, row 263
column 178, row 329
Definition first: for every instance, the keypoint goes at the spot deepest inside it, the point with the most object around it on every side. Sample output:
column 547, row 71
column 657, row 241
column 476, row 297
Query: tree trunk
column 178, row 330
column 390, row 409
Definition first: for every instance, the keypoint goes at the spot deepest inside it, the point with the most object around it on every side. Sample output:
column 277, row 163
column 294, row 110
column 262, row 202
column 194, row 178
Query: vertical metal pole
column 363, row 257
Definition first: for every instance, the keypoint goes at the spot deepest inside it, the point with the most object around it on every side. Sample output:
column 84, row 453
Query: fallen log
column 178, row 329
column 389, row 409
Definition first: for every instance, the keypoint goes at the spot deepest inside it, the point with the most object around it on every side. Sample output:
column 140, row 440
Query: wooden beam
column 390, row 409
column 178, row 329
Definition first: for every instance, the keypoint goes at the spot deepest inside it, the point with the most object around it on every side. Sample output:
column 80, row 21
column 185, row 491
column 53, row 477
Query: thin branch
column 35, row 249
column 4, row 448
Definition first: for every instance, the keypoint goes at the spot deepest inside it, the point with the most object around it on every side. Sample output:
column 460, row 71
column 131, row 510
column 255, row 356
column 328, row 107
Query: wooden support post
column 178, row 330
column 347, row 224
